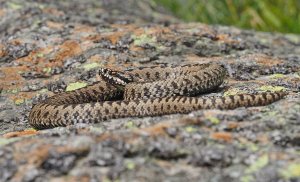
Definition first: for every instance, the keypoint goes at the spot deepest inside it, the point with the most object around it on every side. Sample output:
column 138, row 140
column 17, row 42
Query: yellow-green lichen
column 14, row 5
column 19, row 101
column 90, row 66
column 47, row 70
column 272, row 88
column 147, row 39
column 190, row 129
column 275, row 76
column 130, row 124
column 75, row 86
column 130, row 165
column 252, row 146
column 40, row 55
column 44, row 90
column 247, row 178
column 233, row 91
column 261, row 162
column 31, row 129
column 10, row 91
column 13, row 91
column 36, row 24
column 292, row 171
column 213, row 120
column 105, row 179
column 94, row 129
column 293, row 38
column 5, row 141
column 249, row 145
column 144, row 39
column 272, row 113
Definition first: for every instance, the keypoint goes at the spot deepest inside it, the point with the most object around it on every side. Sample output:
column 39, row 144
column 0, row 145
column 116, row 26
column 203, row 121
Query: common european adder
column 150, row 91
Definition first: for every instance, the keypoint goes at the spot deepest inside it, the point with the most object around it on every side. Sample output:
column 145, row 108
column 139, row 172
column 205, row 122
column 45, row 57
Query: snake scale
column 149, row 91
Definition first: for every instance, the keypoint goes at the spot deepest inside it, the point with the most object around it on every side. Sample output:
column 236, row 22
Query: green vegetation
column 263, row 15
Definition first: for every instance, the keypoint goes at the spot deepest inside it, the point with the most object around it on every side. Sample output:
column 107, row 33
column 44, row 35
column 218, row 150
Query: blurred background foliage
column 263, row 15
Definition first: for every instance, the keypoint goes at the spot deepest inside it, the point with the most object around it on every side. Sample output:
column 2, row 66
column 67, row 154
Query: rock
column 64, row 42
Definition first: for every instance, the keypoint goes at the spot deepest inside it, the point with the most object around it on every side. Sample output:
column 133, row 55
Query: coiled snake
column 151, row 91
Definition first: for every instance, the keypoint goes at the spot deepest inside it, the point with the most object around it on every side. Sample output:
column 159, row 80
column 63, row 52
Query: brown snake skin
column 151, row 91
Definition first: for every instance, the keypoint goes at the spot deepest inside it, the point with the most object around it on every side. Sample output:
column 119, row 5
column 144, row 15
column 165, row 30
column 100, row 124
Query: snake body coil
column 152, row 91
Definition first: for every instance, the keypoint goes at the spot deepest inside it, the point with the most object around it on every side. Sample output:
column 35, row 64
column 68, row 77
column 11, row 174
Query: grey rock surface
column 49, row 46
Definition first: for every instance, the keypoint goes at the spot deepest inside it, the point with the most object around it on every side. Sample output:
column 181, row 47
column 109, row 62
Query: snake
column 146, row 91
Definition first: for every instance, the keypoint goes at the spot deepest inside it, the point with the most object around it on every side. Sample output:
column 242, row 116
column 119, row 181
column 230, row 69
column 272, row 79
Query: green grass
column 263, row 15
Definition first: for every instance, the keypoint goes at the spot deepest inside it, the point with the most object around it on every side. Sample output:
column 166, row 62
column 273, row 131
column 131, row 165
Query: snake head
column 115, row 77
